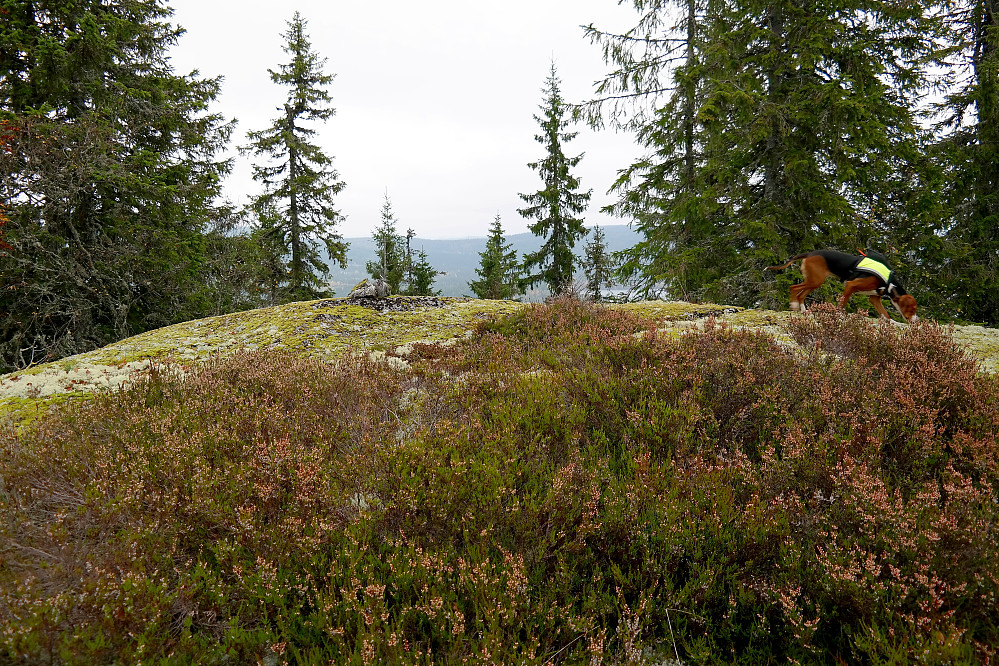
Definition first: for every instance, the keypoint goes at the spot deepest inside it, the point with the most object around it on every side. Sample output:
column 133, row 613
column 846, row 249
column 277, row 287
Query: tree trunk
column 297, row 270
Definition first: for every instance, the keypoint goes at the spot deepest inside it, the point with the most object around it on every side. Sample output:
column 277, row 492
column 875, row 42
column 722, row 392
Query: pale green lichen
column 331, row 329
column 317, row 329
column 677, row 317
column 982, row 343
column 669, row 311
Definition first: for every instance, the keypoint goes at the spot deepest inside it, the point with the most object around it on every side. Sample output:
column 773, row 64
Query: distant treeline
column 458, row 259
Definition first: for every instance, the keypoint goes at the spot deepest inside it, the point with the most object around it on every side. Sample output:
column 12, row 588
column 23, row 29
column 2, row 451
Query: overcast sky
column 435, row 99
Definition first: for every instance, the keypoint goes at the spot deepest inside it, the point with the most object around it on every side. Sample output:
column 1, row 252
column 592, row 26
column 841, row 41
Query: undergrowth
column 567, row 486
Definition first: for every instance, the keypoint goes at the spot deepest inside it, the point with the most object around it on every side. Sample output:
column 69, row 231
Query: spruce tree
column 422, row 276
column 419, row 274
column 598, row 266
column 498, row 267
column 110, row 177
column 784, row 127
column 968, row 272
column 270, row 250
column 390, row 257
column 299, row 179
column 558, row 204
column 409, row 270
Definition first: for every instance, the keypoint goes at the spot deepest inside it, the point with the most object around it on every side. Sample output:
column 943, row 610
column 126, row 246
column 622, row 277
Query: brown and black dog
column 867, row 274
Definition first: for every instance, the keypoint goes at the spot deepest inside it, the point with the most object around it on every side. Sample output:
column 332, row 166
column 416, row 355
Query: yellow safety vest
column 876, row 267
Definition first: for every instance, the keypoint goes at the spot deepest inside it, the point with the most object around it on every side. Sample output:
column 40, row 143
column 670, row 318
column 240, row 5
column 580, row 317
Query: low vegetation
column 568, row 485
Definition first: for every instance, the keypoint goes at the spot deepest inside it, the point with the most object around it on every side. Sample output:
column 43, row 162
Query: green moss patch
column 326, row 330
column 330, row 329
column 671, row 311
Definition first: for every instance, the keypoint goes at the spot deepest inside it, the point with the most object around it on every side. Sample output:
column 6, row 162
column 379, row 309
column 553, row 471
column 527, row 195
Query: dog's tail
column 789, row 262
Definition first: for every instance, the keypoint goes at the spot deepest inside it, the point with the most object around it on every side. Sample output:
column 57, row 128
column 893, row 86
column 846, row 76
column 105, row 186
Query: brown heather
column 568, row 486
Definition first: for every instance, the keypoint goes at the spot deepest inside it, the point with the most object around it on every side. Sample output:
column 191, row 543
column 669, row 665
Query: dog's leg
column 814, row 271
column 868, row 286
column 795, row 305
column 880, row 307
column 798, row 294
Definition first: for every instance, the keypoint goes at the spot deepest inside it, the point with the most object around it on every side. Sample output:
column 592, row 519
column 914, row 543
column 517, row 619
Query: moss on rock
column 330, row 329
column 326, row 330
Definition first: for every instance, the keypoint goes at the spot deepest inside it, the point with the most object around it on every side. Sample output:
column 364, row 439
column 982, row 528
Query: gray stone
column 370, row 289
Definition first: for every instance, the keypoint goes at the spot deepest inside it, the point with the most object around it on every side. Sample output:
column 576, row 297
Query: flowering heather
column 569, row 485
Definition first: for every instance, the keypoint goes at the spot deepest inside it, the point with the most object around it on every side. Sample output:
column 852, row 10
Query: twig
column 564, row 647
column 677, row 610
column 672, row 637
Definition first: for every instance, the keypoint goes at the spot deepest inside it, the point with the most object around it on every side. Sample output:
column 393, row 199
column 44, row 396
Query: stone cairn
column 374, row 295
column 365, row 289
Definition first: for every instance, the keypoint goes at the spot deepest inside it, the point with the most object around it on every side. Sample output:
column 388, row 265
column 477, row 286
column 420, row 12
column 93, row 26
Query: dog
column 867, row 274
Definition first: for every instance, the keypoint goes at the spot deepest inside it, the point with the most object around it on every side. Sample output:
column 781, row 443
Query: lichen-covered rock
column 324, row 329
column 372, row 289
column 375, row 326
column 390, row 304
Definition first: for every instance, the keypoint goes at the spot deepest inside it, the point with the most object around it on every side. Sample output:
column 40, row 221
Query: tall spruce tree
column 109, row 178
column 663, row 192
column 970, row 148
column 299, row 179
column 558, row 204
column 390, row 254
column 498, row 269
column 598, row 265
column 803, row 136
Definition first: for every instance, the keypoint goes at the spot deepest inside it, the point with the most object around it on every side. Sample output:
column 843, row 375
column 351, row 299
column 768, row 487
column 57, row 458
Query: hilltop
column 329, row 329
column 437, row 480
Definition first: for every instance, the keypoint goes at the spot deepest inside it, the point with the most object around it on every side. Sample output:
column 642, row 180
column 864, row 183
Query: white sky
column 435, row 99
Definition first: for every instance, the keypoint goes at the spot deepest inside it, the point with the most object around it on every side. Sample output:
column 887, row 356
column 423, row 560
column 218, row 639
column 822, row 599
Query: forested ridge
column 768, row 128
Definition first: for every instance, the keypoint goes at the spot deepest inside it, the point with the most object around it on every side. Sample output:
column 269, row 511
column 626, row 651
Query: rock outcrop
column 364, row 323
column 372, row 289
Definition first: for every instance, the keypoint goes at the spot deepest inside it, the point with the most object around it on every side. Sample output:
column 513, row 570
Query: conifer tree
column 409, row 265
column 558, row 204
column 419, row 274
column 598, row 265
column 270, row 250
column 422, row 276
column 785, row 126
column 298, row 178
column 390, row 263
column 110, row 173
column 498, row 269
column 970, row 267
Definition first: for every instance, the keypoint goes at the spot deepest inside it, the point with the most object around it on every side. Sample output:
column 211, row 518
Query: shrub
column 567, row 486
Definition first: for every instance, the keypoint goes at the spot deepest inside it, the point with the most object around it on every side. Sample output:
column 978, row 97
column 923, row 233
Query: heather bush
column 567, row 486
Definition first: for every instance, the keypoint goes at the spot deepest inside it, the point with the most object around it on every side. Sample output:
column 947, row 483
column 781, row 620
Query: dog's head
column 906, row 305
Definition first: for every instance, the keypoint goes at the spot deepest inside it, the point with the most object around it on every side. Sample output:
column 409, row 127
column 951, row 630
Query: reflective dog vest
column 868, row 265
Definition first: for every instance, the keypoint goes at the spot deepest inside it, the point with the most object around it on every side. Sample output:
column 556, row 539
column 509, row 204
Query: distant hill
column 459, row 258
